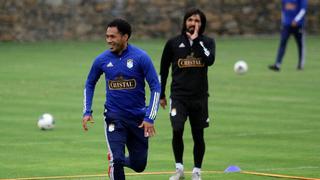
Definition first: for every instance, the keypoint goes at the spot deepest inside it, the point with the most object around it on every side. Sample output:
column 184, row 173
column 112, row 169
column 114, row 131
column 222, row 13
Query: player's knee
column 177, row 132
column 198, row 135
column 139, row 165
column 139, row 168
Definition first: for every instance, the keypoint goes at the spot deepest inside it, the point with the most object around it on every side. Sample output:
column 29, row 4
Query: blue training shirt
column 125, row 77
column 293, row 10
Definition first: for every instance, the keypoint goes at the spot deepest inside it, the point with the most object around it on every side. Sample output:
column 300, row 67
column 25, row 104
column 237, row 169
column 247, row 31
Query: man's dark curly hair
column 122, row 25
column 191, row 12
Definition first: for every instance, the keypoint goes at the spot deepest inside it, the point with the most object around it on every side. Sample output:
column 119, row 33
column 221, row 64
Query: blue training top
column 293, row 10
column 125, row 77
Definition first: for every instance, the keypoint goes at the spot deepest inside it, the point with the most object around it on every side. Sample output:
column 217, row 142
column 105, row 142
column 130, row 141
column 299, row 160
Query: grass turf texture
column 262, row 121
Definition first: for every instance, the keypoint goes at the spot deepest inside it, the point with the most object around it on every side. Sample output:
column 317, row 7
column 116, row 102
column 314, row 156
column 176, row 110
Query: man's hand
column 149, row 130
column 294, row 24
column 163, row 103
column 86, row 119
column 195, row 32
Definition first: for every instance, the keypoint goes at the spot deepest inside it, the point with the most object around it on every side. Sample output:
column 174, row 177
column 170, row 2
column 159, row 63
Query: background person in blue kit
column 190, row 54
column 128, row 122
column 293, row 15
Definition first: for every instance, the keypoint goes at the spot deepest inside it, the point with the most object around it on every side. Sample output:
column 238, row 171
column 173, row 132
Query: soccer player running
column 293, row 14
column 190, row 54
column 128, row 122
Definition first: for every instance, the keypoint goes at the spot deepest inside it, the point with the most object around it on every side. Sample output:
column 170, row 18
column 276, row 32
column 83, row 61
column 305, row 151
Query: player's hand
column 294, row 24
column 149, row 130
column 85, row 120
column 195, row 32
column 163, row 103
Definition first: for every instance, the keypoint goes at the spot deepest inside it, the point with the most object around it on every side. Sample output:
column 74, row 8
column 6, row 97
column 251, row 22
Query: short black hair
column 191, row 12
column 122, row 25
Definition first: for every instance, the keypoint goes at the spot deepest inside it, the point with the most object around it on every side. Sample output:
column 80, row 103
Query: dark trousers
column 121, row 134
column 197, row 111
column 298, row 33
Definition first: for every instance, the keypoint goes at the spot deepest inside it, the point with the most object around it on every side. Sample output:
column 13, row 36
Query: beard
column 191, row 29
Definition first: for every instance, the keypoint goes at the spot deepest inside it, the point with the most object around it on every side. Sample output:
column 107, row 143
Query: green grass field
column 262, row 121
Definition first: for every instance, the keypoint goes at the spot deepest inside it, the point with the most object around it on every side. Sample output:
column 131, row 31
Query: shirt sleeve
column 205, row 50
column 92, row 79
column 154, row 84
column 164, row 67
column 302, row 12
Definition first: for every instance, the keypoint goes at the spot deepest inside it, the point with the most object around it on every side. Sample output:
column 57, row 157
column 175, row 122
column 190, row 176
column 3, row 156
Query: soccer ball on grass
column 240, row 67
column 46, row 122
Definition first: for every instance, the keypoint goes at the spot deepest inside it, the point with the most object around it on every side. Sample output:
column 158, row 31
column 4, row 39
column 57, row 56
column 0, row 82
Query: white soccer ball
column 46, row 122
column 240, row 67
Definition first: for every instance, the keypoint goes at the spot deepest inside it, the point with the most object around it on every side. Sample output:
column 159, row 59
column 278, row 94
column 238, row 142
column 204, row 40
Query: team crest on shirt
column 130, row 63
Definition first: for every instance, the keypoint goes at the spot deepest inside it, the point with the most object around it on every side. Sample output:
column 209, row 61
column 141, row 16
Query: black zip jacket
column 189, row 66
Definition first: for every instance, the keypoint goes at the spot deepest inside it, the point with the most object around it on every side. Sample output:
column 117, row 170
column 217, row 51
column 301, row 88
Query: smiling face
column 191, row 23
column 117, row 41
